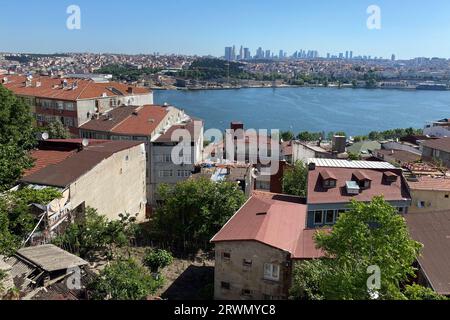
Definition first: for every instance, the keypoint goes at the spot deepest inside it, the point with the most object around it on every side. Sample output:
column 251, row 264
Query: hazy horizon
column 408, row 29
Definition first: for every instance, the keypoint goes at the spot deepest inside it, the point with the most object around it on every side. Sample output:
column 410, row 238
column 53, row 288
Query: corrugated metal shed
column 50, row 258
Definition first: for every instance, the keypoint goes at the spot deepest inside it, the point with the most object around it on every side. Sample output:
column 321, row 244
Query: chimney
column 5, row 80
column 236, row 126
column 130, row 90
column 38, row 84
column 339, row 144
column 311, row 166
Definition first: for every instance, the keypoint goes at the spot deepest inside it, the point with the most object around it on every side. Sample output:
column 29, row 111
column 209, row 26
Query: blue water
column 355, row 111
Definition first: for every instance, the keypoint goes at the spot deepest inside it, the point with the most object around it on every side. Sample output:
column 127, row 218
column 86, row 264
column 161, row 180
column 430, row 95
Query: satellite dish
column 85, row 142
column 45, row 136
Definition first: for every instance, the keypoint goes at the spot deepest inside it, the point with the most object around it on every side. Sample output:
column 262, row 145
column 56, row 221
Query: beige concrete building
column 429, row 194
column 257, row 248
column 105, row 175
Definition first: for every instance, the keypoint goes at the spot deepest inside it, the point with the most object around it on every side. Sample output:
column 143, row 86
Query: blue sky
column 409, row 28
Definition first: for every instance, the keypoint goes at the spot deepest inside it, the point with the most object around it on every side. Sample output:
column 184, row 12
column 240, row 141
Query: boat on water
column 431, row 86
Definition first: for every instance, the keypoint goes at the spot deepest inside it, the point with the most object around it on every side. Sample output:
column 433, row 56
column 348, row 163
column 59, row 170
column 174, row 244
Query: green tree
column 16, row 219
column 157, row 259
column 56, row 130
column 370, row 234
column 417, row 292
column 16, row 138
column 294, row 180
column 195, row 210
column 124, row 280
column 353, row 156
column 287, row 135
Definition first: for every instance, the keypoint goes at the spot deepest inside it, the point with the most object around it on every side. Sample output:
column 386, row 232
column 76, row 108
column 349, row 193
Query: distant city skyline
column 408, row 28
column 231, row 54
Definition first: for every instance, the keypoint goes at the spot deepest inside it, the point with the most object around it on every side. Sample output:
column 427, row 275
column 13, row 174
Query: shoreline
column 285, row 87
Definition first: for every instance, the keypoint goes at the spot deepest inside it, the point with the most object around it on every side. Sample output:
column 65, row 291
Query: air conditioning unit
column 352, row 187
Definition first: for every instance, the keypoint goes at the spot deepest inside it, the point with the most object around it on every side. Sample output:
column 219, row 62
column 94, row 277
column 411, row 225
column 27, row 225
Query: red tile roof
column 319, row 195
column 129, row 120
column 430, row 184
column 51, row 88
column 143, row 122
column 275, row 220
column 44, row 158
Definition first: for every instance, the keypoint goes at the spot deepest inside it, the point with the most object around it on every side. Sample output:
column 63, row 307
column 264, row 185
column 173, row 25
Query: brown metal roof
column 317, row 194
column 275, row 220
column 327, row 175
column 432, row 229
column 442, row 144
column 108, row 121
column 67, row 171
column 361, row 176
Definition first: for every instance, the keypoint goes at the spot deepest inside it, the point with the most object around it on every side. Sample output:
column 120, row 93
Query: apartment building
column 332, row 184
column 154, row 126
column 73, row 101
column 105, row 175
column 164, row 169
column 429, row 194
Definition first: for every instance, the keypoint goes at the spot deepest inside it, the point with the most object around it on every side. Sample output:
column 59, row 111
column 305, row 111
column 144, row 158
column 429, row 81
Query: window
column 329, row 217
column 226, row 256
column 421, row 204
column 247, row 263
column 225, row 285
column 163, row 158
column 446, row 196
column 365, row 184
column 165, row 173
column 329, row 183
column 318, row 217
column 69, row 106
column 246, row 292
column 184, row 173
column 271, row 272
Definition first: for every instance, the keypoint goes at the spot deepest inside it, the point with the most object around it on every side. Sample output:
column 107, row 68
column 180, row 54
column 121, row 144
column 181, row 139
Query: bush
column 157, row 259
column 96, row 233
column 417, row 292
column 124, row 280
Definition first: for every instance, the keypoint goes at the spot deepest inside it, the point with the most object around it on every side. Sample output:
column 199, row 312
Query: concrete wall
column 433, row 201
column 241, row 277
column 156, row 166
column 116, row 185
column 302, row 153
column 432, row 154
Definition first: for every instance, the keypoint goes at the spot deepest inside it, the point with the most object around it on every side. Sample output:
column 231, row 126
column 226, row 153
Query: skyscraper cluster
column 232, row 54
